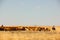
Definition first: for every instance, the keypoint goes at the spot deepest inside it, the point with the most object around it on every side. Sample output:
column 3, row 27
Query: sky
column 30, row 12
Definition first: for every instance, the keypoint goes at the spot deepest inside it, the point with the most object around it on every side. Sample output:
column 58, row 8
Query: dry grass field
column 30, row 35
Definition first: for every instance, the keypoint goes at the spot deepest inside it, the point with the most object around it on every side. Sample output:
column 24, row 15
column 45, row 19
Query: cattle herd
column 22, row 28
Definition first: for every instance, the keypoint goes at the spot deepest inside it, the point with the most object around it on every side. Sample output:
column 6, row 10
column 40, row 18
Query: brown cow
column 9, row 28
column 41, row 29
column 21, row 28
column 47, row 29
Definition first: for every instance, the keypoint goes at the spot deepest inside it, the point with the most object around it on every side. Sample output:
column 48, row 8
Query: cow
column 1, row 28
column 9, row 28
column 41, row 29
column 47, row 29
column 53, row 28
column 31, row 28
column 28, row 28
column 21, row 28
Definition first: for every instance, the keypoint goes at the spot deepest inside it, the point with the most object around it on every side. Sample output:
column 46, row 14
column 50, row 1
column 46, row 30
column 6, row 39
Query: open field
column 24, row 35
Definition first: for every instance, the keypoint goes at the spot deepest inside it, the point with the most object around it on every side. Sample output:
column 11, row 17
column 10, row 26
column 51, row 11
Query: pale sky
column 30, row 12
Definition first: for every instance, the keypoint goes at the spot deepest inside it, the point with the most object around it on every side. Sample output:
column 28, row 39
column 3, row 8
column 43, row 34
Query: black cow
column 53, row 28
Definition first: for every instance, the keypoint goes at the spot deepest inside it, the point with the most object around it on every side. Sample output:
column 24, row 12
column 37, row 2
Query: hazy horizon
column 30, row 12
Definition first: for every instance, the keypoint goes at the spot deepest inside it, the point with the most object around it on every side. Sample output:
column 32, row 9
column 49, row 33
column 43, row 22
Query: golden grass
column 17, row 35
